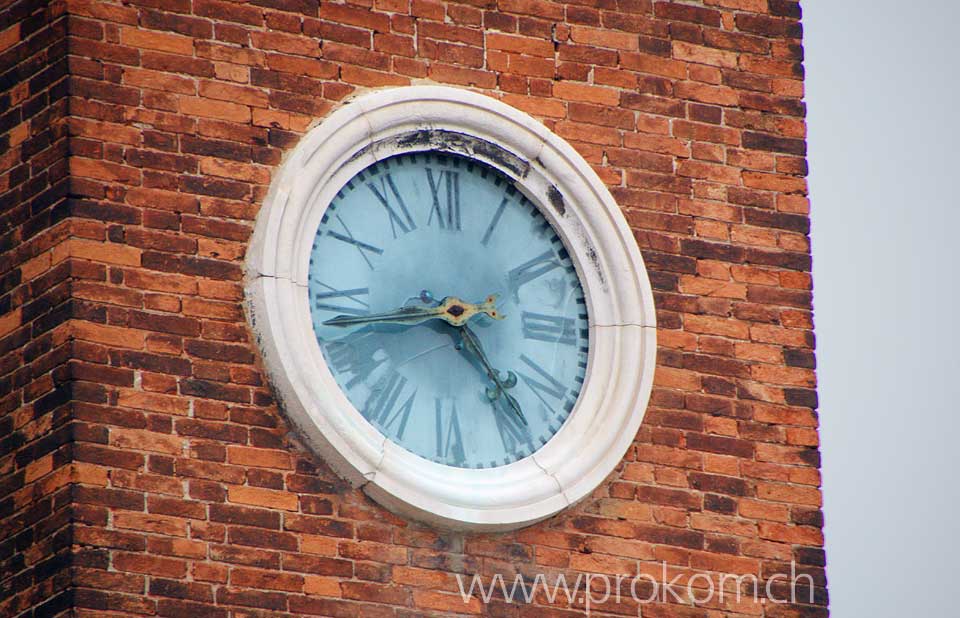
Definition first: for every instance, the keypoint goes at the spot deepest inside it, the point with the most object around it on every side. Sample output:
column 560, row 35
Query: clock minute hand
column 472, row 343
column 451, row 309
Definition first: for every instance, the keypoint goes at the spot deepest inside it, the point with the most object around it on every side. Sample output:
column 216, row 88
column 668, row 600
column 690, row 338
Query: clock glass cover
column 448, row 310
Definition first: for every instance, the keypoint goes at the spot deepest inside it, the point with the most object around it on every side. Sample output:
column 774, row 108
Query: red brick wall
column 189, row 492
column 35, row 307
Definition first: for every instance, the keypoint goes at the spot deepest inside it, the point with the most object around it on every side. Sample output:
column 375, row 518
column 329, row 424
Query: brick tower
column 146, row 468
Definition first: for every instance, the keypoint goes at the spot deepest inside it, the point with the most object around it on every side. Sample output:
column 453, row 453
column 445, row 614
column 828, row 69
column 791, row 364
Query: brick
column 210, row 573
column 375, row 552
column 227, row 11
column 229, row 53
column 254, row 496
column 599, row 37
column 586, row 93
column 688, row 13
column 367, row 77
column 260, row 518
column 104, row 170
column 540, row 106
column 301, row 66
column 237, row 94
column 147, row 441
column 716, row 326
column 519, row 44
column 181, row 590
column 462, row 76
column 588, row 133
column 717, row 95
column 110, row 253
column 255, row 457
column 773, row 143
column 708, row 171
column 160, row 41
column 158, row 80
column 318, row 585
column 11, row 321
column 96, row 130
column 150, row 565
column 176, row 507
column 109, row 335
column 216, row 310
column 319, row 525
column 231, row 72
column 160, row 282
column 287, row 43
column 688, row 52
column 266, row 580
column 214, row 390
column 343, row 14
column 166, row 200
column 210, row 108
column 217, row 147
column 720, row 444
column 10, row 36
column 157, row 524
column 791, row 534
column 238, row 171
column 246, row 556
column 164, row 323
column 538, row 8
column 147, row 239
column 429, row 599
column 774, row 182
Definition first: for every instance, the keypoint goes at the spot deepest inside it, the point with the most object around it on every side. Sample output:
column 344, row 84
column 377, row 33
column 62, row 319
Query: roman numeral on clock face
column 353, row 300
column 547, row 389
column 361, row 246
column 532, row 269
column 493, row 222
column 515, row 437
column 445, row 192
column 356, row 355
column 388, row 406
column 550, row 328
column 449, row 435
column 389, row 197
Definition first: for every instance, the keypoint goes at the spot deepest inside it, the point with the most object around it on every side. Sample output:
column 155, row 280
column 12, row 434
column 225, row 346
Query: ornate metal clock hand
column 472, row 343
column 451, row 310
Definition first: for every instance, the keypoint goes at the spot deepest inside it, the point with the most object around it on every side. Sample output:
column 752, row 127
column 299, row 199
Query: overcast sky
column 883, row 79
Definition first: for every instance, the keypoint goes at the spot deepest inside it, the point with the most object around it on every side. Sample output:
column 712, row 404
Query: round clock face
column 448, row 310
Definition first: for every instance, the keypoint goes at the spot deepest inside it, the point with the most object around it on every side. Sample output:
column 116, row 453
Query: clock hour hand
column 472, row 343
column 451, row 310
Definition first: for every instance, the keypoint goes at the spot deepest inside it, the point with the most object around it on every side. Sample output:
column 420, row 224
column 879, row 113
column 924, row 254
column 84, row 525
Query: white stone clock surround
column 574, row 200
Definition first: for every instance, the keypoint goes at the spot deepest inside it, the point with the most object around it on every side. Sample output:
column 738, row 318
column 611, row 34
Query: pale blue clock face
column 399, row 238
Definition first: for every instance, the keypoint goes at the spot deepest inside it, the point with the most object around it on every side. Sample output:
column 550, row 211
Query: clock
column 448, row 309
column 451, row 308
